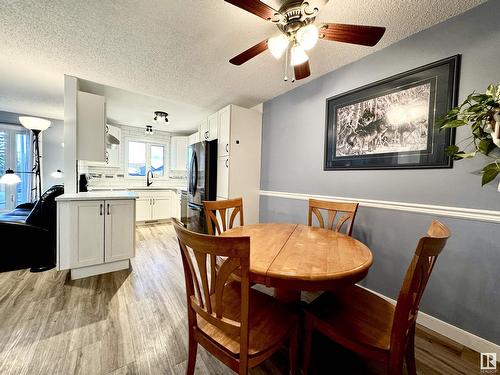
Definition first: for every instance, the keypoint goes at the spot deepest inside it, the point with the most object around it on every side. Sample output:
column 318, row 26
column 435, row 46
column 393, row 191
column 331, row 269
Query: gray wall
column 52, row 150
column 464, row 289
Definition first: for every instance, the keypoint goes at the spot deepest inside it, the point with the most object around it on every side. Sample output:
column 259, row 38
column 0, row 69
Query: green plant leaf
column 453, row 124
column 486, row 146
column 491, row 90
column 463, row 155
column 452, row 150
column 490, row 172
column 480, row 97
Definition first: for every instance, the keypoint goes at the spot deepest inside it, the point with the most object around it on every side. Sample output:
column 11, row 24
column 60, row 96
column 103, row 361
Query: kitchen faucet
column 148, row 181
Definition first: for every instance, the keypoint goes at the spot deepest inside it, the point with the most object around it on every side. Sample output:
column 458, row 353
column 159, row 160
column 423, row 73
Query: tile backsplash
column 113, row 177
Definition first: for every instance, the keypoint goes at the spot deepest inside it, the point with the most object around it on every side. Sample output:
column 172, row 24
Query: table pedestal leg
column 287, row 295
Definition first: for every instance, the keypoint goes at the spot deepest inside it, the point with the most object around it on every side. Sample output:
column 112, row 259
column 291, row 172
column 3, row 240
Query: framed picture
column 392, row 123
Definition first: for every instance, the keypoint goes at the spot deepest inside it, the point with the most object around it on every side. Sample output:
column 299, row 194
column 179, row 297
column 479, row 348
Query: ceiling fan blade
column 256, row 7
column 302, row 71
column 355, row 34
column 249, row 53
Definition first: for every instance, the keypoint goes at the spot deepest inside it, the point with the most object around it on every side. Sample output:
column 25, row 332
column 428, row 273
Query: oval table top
column 300, row 257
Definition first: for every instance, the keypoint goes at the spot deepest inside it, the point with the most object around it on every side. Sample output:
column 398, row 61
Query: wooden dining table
column 295, row 257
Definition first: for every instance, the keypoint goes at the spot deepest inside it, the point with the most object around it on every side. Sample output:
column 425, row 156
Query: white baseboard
column 465, row 338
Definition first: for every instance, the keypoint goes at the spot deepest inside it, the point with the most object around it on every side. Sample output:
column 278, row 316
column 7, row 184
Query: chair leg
column 293, row 349
column 193, row 348
column 308, row 331
column 410, row 352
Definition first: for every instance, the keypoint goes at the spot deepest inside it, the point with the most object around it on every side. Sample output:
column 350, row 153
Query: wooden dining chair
column 371, row 326
column 346, row 211
column 240, row 326
column 226, row 210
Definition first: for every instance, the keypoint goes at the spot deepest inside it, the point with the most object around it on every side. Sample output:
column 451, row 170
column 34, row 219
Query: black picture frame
column 381, row 136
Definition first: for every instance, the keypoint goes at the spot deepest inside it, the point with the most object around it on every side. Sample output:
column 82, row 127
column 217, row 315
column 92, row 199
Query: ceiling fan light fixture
column 308, row 36
column 277, row 45
column 298, row 55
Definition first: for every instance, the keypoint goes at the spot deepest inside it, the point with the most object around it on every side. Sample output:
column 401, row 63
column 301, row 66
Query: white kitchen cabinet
column 119, row 226
column 161, row 208
column 143, row 209
column 178, row 153
column 95, row 232
column 208, row 129
column 239, row 150
column 86, row 223
column 223, row 132
column 91, row 125
column 176, row 205
column 194, row 138
column 155, row 205
column 223, row 177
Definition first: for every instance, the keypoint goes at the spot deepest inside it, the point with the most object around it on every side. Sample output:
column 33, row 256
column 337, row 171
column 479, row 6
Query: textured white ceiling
column 177, row 50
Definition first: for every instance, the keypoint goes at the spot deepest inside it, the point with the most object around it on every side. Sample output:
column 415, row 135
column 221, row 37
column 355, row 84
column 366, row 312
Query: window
column 143, row 157
column 15, row 154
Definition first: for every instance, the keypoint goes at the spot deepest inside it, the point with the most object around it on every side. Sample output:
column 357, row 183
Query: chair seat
column 269, row 321
column 355, row 318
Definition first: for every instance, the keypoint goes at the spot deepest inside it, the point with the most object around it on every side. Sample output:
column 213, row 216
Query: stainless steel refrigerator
column 202, row 183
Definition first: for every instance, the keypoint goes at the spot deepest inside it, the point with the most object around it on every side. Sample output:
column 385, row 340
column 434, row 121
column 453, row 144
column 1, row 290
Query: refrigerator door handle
column 195, row 177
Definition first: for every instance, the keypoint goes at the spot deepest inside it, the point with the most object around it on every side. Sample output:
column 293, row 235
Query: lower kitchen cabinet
column 95, row 236
column 119, row 242
column 157, row 205
column 86, row 224
column 143, row 209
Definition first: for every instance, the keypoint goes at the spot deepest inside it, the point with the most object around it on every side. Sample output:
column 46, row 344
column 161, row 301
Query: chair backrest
column 205, row 282
column 428, row 249
column 227, row 210
column 347, row 213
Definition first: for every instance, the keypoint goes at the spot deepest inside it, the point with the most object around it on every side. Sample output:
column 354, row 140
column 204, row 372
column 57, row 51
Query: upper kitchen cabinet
column 178, row 153
column 223, row 130
column 208, row 129
column 194, row 138
column 91, row 125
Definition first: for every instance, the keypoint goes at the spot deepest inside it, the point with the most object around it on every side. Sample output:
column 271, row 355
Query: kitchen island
column 95, row 232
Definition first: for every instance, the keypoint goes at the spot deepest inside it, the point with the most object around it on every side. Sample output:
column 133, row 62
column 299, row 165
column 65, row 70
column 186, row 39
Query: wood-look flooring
column 134, row 322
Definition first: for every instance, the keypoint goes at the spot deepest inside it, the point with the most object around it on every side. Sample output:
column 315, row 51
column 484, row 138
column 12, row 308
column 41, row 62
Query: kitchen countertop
column 93, row 195
column 132, row 188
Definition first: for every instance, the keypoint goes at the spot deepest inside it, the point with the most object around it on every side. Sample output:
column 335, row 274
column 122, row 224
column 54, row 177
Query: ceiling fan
column 295, row 20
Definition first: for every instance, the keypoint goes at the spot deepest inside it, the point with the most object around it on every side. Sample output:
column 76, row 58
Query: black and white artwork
column 392, row 123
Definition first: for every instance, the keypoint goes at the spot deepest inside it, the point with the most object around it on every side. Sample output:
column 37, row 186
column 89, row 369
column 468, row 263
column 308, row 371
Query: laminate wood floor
column 133, row 322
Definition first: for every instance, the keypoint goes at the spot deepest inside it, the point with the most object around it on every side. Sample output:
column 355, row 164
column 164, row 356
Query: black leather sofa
column 28, row 234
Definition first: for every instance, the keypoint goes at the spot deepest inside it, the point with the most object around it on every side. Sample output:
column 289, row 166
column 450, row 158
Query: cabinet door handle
column 100, row 209
column 227, row 163
column 108, row 208
column 227, row 147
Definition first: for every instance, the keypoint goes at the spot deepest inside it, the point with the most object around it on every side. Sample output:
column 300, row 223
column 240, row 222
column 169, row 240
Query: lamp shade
column 307, row 36
column 10, row 178
column 34, row 123
column 277, row 45
column 299, row 56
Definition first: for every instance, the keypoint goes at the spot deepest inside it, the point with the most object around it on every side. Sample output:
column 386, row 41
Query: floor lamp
column 36, row 125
